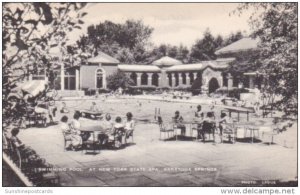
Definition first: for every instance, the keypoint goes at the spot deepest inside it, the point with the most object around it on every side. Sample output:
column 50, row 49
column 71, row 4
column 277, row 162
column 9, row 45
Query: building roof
column 198, row 66
column 243, row 44
column 138, row 68
column 103, row 58
column 186, row 67
column 166, row 61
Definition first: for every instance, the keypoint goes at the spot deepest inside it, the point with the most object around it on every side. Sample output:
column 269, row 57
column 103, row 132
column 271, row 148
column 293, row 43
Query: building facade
column 167, row 72
column 171, row 73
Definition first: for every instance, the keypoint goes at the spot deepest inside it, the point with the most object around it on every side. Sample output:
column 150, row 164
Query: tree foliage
column 180, row 53
column 204, row 49
column 233, row 37
column 118, row 40
column 118, row 79
column 29, row 31
column 276, row 26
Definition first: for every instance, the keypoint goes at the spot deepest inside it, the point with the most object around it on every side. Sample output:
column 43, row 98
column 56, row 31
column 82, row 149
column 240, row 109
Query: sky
column 173, row 23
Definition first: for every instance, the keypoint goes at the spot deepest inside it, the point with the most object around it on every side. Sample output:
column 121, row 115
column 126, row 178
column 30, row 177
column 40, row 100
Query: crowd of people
column 207, row 123
column 115, row 132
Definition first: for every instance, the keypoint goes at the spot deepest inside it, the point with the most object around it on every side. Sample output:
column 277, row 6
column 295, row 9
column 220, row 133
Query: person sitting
column 129, row 125
column 223, row 123
column 208, row 125
column 77, row 137
column 65, row 128
column 64, row 108
column 178, row 119
column 94, row 107
column 199, row 113
column 118, row 131
column 209, row 117
column 14, row 139
column 71, row 134
column 107, row 125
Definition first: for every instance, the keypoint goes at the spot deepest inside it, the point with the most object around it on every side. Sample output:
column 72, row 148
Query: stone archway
column 213, row 85
column 144, row 79
column 155, row 79
column 133, row 77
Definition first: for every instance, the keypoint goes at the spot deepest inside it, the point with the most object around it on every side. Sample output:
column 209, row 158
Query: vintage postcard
column 150, row 94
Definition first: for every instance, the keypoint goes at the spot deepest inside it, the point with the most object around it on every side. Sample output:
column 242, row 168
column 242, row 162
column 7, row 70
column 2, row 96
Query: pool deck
column 152, row 162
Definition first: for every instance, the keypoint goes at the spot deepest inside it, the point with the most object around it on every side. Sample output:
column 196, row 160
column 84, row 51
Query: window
column 70, row 81
column 99, row 78
column 144, row 79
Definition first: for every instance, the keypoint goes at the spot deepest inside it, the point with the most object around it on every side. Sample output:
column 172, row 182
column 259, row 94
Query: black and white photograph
column 149, row 94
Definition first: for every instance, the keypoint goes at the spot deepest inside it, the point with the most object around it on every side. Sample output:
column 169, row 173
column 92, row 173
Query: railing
column 17, row 171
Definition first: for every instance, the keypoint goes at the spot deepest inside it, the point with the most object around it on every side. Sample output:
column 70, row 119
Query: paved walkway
column 150, row 162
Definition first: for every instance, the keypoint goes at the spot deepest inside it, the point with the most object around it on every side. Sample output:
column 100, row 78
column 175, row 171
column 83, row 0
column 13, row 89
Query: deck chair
column 208, row 128
column 128, row 134
column 117, row 137
column 163, row 129
column 67, row 139
column 90, row 144
column 275, row 131
column 229, row 132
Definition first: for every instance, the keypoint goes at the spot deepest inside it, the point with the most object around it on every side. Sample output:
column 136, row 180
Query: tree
column 180, row 53
column 173, row 52
column 276, row 26
column 33, row 28
column 219, row 41
column 183, row 54
column 110, row 37
column 118, row 79
column 204, row 49
column 29, row 31
column 233, row 37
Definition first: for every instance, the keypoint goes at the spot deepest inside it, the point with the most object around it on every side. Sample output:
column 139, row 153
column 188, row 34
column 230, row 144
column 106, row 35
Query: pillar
column 30, row 77
column 187, row 78
column 220, row 80
column 230, row 81
column 195, row 75
column 138, row 79
column 180, row 78
column 163, row 78
column 149, row 79
column 251, row 82
column 160, row 84
column 173, row 79
column 104, row 79
column 62, row 77
column 77, row 79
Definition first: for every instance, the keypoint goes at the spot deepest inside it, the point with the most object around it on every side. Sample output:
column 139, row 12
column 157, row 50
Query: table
column 252, row 130
column 90, row 114
column 196, row 121
column 239, row 110
column 93, row 129
column 248, row 126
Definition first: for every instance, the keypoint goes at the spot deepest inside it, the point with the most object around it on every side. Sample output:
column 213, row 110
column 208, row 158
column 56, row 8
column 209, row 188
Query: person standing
column 129, row 125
